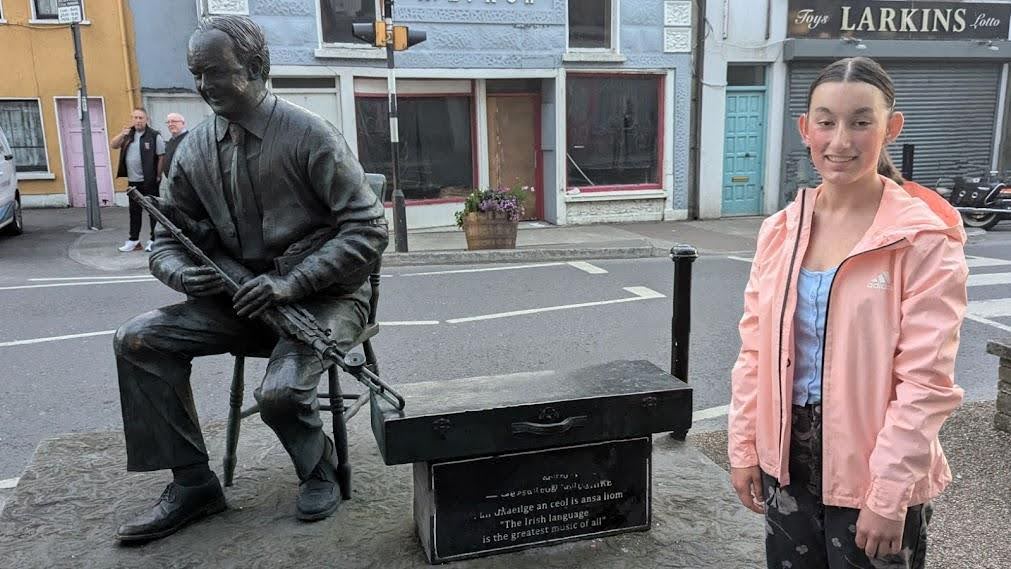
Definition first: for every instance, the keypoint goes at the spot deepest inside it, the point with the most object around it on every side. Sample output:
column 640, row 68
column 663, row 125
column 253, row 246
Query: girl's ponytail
column 887, row 168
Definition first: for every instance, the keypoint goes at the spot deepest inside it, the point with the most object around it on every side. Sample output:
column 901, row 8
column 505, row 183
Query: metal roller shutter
column 950, row 110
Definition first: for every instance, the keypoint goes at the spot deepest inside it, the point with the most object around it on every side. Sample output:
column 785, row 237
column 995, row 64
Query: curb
column 527, row 255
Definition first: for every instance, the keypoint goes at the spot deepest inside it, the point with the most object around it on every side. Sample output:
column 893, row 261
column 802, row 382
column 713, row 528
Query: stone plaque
column 475, row 507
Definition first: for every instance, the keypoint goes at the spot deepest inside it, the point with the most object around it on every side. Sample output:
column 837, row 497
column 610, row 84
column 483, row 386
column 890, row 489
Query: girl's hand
column 747, row 483
column 878, row 536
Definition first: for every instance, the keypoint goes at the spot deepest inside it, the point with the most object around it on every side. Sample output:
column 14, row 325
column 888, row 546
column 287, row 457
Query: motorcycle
column 984, row 201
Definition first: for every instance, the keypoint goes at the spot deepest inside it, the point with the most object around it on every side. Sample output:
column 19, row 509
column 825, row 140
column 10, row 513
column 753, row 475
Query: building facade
column 586, row 101
column 39, row 96
column 948, row 60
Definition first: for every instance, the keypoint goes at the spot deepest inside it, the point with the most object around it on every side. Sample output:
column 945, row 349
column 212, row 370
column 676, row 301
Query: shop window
column 47, row 10
column 436, row 146
column 21, row 120
column 613, row 131
column 240, row 7
column 336, row 17
column 591, row 24
column 746, row 76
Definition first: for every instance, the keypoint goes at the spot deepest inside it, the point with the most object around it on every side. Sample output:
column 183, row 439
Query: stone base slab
column 1002, row 422
column 76, row 491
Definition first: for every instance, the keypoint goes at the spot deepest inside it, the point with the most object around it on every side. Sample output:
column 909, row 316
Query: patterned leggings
column 803, row 533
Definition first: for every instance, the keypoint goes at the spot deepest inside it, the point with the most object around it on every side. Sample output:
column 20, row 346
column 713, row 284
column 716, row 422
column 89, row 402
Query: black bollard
column 907, row 160
column 681, row 321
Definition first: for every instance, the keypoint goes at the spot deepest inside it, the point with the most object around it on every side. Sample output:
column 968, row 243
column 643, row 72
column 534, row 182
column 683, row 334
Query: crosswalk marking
column 993, row 308
column 975, row 262
column 984, row 311
column 989, row 279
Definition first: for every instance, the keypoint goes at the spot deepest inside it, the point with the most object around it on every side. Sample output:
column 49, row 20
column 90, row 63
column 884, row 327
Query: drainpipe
column 127, row 58
column 694, row 153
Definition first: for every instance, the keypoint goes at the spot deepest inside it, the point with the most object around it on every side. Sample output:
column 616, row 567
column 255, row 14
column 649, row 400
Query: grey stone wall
column 614, row 211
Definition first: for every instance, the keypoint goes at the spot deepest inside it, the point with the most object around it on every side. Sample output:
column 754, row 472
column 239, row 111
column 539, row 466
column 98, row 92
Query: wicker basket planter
column 489, row 230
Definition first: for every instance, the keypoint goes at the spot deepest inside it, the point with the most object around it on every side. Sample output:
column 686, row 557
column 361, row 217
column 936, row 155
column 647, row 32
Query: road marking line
column 988, row 322
column 107, row 332
column 743, row 259
column 9, row 483
column 973, row 261
column 483, row 269
column 990, row 308
column 22, row 287
column 588, row 267
column 55, row 338
column 91, row 278
column 989, row 279
column 710, row 413
column 640, row 292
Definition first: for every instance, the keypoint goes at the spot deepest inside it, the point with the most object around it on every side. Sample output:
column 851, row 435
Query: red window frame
column 473, row 136
column 661, row 117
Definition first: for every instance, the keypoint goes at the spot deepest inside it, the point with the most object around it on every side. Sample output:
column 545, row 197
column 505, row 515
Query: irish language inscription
column 524, row 499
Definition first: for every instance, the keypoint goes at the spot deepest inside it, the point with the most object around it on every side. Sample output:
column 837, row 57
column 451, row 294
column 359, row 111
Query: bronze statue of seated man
column 263, row 174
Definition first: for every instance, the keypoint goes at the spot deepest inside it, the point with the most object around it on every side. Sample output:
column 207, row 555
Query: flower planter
column 489, row 230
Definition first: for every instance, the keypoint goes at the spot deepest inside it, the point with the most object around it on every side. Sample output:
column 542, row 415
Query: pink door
column 73, row 150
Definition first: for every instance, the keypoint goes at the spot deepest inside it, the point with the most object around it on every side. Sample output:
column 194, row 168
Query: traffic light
column 403, row 37
column 374, row 33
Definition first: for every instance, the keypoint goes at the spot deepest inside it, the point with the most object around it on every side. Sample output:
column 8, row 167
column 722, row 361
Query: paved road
column 440, row 323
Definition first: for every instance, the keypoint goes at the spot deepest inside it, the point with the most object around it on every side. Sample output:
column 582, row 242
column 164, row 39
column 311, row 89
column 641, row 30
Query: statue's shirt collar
column 255, row 121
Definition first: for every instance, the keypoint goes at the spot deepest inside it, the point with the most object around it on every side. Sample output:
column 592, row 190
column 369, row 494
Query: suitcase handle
column 548, row 429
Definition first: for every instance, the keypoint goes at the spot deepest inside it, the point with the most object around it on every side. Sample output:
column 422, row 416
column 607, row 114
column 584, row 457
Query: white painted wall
column 738, row 36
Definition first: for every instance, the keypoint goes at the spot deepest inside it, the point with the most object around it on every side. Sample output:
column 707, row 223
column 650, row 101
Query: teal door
column 743, row 151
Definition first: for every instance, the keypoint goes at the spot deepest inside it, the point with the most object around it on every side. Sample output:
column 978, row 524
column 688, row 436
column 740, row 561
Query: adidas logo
column 883, row 281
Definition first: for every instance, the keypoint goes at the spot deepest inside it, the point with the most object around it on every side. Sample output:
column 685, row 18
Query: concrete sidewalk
column 535, row 242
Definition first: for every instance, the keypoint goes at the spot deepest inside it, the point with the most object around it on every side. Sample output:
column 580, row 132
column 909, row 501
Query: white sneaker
column 130, row 245
column 148, row 246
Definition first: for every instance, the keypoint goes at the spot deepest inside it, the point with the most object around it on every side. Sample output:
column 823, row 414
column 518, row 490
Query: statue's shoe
column 177, row 507
column 318, row 494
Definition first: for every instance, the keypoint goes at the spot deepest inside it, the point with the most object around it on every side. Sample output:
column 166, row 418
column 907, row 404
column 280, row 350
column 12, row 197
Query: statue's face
column 228, row 86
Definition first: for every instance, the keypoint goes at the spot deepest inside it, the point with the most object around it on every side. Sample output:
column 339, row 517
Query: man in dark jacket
column 141, row 151
column 265, row 174
column 176, row 124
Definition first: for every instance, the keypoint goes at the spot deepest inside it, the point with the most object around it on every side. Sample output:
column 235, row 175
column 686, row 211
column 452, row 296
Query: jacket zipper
column 782, row 315
column 824, row 340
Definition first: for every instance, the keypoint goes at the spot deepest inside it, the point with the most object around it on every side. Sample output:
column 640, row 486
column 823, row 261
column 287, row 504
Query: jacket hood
column 905, row 212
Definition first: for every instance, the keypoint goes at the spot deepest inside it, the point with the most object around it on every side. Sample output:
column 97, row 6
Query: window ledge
column 55, row 22
column 612, row 195
column 603, row 56
column 348, row 51
column 3, row 21
column 36, row 176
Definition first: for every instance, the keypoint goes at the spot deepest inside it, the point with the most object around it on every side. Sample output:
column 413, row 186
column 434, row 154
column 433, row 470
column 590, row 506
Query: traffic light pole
column 94, row 217
column 399, row 202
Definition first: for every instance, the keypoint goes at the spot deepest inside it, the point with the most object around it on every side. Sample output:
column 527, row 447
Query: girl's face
column 846, row 127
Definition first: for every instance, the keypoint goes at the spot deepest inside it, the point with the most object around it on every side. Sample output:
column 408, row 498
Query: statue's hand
column 201, row 281
column 263, row 292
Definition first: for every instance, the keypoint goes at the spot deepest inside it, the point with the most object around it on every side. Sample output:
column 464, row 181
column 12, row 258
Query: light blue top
column 809, row 334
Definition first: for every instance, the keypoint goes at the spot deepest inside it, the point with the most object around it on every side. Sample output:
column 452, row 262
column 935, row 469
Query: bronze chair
column 334, row 399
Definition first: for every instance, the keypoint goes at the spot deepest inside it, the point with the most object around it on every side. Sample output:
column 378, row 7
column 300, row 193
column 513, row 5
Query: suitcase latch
column 442, row 426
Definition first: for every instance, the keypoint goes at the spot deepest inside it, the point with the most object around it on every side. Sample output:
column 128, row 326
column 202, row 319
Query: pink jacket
column 892, row 331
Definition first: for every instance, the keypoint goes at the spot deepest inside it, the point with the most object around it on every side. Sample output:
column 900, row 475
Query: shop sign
column 894, row 19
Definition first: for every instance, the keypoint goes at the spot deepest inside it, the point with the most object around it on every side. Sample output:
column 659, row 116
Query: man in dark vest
column 265, row 175
column 141, row 151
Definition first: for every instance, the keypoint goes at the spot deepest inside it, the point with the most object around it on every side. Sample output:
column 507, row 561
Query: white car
column 11, row 222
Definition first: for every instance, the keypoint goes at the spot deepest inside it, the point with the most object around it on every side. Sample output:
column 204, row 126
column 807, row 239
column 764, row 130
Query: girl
column 850, row 329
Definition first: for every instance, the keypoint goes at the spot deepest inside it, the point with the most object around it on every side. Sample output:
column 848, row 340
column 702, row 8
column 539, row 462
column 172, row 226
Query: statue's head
column 230, row 63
